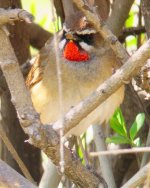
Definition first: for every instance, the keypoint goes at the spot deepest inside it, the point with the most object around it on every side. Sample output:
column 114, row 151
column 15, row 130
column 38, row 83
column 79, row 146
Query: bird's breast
column 76, row 81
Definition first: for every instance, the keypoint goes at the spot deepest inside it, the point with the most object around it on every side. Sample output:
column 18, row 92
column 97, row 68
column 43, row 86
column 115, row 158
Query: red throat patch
column 72, row 53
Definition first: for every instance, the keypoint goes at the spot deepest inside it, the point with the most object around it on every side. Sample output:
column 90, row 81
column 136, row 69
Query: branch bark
column 131, row 31
column 11, row 15
column 59, row 9
column 50, row 177
column 119, row 15
column 146, row 14
column 38, row 35
column 105, row 164
column 10, row 178
column 121, row 151
column 138, row 178
column 68, row 8
column 15, row 154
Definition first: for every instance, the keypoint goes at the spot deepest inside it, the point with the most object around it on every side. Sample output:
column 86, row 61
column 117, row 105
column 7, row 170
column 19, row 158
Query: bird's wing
column 35, row 74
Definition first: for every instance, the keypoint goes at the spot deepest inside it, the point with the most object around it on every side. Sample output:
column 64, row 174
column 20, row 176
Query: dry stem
column 139, row 178
column 10, row 178
column 11, row 15
column 121, row 151
column 15, row 154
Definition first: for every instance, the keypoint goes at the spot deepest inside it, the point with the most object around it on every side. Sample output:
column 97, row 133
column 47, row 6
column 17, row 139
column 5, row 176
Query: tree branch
column 10, row 178
column 146, row 14
column 45, row 137
column 38, row 35
column 121, row 151
column 15, row 154
column 68, row 8
column 119, row 15
column 105, row 164
column 50, row 177
column 11, row 15
column 138, row 178
column 59, row 9
column 131, row 31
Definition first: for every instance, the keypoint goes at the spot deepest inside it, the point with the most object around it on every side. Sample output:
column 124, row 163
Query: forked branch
column 45, row 137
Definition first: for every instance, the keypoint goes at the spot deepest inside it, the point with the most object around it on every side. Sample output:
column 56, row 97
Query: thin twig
column 138, row 179
column 131, row 31
column 105, row 163
column 120, row 10
column 11, row 15
column 11, row 178
column 15, row 155
column 120, row 151
column 61, row 97
column 37, row 35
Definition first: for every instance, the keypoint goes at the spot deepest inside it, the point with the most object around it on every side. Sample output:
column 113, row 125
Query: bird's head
column 79, row 39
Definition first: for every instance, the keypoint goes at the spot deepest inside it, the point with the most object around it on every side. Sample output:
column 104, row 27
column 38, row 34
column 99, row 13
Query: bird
column 86, row 61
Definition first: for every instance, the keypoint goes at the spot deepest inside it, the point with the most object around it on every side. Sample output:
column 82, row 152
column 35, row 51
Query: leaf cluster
column 124, row 136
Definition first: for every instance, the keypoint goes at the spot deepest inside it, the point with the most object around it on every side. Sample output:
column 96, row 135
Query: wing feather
column 36, row 73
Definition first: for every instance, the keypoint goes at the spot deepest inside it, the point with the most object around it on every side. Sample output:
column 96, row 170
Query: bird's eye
column 87, row 38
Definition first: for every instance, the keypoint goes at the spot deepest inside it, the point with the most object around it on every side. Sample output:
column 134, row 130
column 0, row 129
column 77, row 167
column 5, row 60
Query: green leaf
column 117, row 140
column 117, row 127
column 137, row 125
column 137, row 142
column 119, row 116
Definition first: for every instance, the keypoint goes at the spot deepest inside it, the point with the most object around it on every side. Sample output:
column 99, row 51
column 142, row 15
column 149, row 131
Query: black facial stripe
column 87, row 38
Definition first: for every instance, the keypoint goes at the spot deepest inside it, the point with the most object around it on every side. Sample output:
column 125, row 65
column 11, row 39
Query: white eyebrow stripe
column 86, row 31
column 82, row 32
column 85, row 46
column 62, row 44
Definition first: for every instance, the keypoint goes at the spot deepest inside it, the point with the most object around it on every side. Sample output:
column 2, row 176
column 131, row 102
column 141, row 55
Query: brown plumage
column 79, row 79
